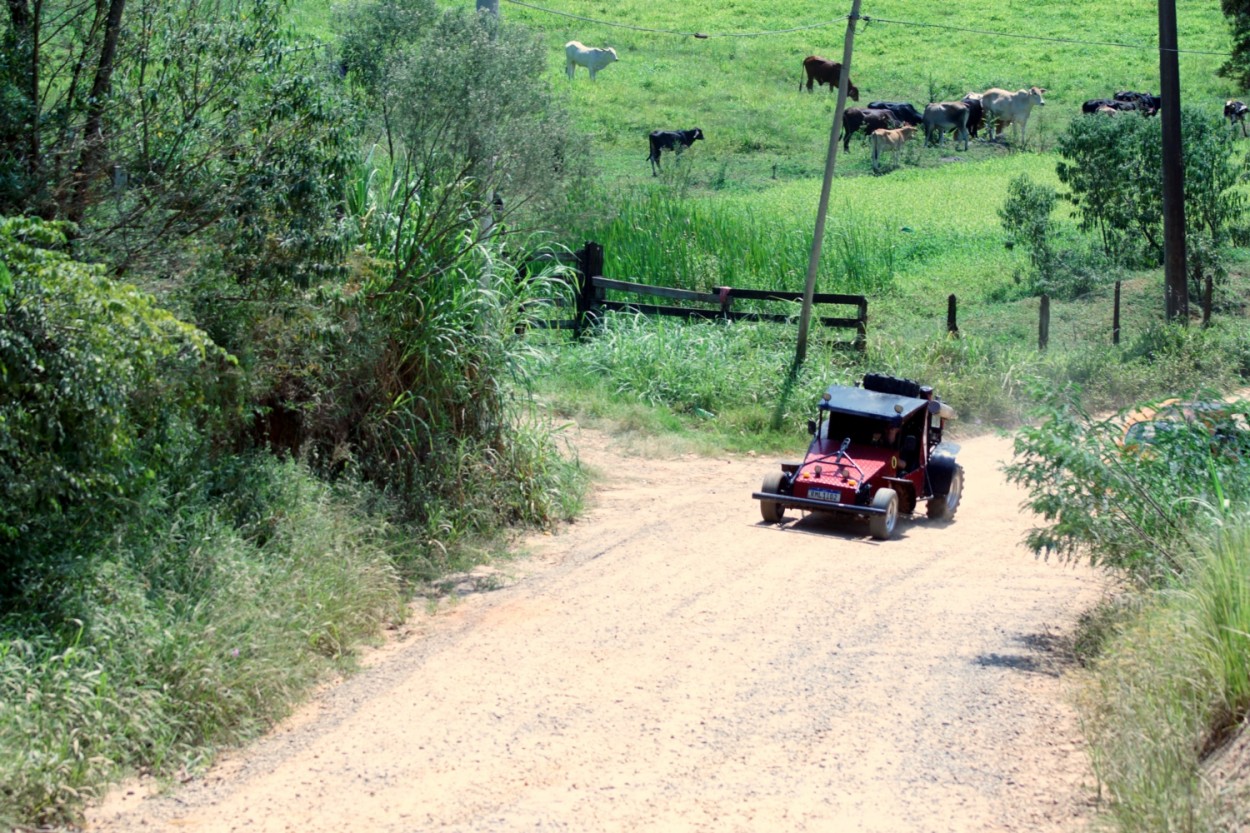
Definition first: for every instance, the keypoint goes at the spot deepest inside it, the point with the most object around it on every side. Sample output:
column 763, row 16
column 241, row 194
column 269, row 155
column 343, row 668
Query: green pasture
column 743, row 91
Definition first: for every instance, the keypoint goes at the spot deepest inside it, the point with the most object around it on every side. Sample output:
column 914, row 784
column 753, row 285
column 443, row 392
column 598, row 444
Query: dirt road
column 671, row 663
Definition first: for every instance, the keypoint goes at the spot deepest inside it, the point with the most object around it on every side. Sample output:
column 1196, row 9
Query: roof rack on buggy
column 882, row 383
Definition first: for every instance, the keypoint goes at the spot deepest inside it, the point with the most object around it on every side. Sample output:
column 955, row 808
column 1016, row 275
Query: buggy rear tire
column 773, row 511
column 943, row 508
column 882, row 526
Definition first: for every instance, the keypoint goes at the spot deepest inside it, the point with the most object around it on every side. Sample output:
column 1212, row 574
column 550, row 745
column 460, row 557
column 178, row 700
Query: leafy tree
column 1237, row 67
column 1026, row 218
column 375, row 34
column 162, row 129
column 1111, row 167
column 478, row 138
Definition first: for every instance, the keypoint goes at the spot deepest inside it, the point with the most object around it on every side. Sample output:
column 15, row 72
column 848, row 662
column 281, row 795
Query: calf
column 867, row 119
column 943, row 116
column 824, row 71
column 674, row 140
column 889, row 140
column 1235, row 111
column 902, row 110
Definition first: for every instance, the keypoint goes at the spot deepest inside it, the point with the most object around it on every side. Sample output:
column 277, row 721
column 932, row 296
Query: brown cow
column 943, row 116
column 824, row 71
column 889, row 140
column 856, row 118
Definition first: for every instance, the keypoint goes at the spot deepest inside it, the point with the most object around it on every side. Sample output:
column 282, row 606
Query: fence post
column 1115, row 317
column 589, row 265
column 1043, row 324
column 861, row 327
column 952, row 326
column 1208, row 290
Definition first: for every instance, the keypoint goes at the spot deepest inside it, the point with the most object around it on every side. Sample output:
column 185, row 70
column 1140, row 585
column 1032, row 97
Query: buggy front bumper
column 818, row 505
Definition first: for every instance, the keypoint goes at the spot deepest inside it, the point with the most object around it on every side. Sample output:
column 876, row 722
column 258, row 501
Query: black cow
column 902, row 110
column 1236, row 111
column 674, row 140
column 866, row 119
column 1095, row 104
column 976, row 113
column 824, row 71
column 1146, row 103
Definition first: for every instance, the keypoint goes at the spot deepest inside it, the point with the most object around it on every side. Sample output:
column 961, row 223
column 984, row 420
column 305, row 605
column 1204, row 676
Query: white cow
column 1003, row 108
column 586, row 56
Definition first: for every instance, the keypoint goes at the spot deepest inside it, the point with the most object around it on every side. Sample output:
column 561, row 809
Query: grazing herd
column 888, row 125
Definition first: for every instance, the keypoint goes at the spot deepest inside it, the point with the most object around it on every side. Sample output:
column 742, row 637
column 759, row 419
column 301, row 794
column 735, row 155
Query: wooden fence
column 591, row 300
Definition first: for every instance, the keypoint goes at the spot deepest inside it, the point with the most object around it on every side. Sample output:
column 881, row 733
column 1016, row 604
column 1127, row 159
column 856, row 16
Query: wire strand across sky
column 867, row 19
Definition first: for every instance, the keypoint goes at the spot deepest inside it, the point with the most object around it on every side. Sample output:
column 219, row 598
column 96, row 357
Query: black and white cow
column 1236, row 111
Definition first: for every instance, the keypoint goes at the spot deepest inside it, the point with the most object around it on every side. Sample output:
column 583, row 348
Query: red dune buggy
column 876, row 452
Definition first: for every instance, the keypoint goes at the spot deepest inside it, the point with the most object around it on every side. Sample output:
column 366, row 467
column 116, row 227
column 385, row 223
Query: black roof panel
column 870, row 403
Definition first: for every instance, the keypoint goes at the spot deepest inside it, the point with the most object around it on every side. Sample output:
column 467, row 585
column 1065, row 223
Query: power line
column 865, row 19
column 700, row 35
column 868, row 19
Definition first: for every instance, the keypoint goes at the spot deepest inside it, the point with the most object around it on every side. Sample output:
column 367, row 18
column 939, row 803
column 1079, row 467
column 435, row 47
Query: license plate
column 824, row 494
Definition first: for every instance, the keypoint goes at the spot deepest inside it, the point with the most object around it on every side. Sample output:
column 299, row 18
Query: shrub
column 103, row 391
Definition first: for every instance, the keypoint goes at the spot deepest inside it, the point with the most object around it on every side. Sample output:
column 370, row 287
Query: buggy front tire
column 772, row 511
column 943, row 508
column 882, row 526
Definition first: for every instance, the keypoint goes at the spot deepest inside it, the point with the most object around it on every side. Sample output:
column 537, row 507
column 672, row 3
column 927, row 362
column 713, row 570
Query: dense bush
column 194, row 624
column 104, row 392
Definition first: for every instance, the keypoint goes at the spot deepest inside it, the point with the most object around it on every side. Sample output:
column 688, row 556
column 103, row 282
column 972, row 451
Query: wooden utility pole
column 822, row 211
column 1174, row 268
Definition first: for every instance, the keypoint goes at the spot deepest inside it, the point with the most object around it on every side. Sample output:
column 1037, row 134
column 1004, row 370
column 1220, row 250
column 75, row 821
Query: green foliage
column 475, row 137
column 196, row 626
column 102, row 391
column 1026, row 218
column 1237, row 67
column 1133, row 507
column 1170, row 685
column 208, row 129
column 1111, row 167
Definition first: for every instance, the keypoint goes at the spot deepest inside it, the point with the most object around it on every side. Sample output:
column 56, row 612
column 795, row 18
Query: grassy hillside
column 743, row 91
column 765, row 146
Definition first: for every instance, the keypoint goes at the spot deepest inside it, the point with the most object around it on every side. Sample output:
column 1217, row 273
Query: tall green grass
column 916, row 233
column 1171, row 685
column 204, row 619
